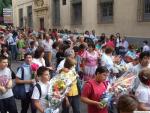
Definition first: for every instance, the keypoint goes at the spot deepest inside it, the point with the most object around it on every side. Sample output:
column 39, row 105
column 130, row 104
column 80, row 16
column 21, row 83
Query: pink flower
column 34, row 67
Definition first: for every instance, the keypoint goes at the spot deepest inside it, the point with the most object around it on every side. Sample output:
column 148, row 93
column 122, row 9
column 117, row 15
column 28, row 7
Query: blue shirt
column 27, row 74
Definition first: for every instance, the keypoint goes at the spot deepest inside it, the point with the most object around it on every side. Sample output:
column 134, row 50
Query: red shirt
column 110, row 44
column 94, row 91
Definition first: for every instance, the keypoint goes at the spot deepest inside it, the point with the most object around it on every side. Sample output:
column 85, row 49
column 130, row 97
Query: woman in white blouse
column 39, row 57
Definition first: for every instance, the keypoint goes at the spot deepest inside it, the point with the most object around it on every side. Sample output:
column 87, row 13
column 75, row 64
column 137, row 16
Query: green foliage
column 4, row 4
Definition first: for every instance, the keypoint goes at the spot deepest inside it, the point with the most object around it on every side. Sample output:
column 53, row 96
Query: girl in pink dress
column 90, row 61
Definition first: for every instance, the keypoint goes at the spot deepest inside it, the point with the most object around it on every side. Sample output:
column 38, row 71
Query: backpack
column 19, row 89
column 32, row 88
column 22, row 71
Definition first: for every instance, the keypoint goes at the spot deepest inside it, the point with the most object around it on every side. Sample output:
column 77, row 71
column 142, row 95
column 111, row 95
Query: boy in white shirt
column 7, row 100
column 39, row 95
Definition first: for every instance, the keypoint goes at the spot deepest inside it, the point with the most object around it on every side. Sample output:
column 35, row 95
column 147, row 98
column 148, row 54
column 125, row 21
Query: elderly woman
column 90, row 62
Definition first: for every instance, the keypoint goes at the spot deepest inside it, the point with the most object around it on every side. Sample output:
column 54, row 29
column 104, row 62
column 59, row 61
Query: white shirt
column 117, row 42
column 47, row 45
column 27, row 75
column 44, row 91
column 39, row 61
column 143, row 94
column 53, row 60
column 125, row 44
column 107, row 61
column 146, row 48
column 136, row 70
column 93, row 36
column 11, row 40
column 60, row 66
column 9, row 93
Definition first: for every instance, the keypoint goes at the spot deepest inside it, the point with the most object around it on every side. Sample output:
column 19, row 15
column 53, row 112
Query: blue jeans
column 74, row 102
column 9, row 105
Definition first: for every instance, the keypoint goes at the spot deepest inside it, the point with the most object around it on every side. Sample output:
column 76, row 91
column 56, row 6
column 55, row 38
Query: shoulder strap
column 22, row 69
column 22, row 72
column 39, row 88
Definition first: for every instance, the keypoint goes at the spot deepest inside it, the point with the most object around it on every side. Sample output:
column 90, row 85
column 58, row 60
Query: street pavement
column 14, row 66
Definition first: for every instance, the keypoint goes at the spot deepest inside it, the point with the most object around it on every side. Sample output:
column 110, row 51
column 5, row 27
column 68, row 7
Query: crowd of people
column 94, row 59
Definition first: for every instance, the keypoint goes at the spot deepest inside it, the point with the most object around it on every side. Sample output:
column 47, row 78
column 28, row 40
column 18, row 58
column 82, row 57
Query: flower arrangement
column 122, row 85
column 119, row 68
column 60, row 86
column 105, row 99
column 34, row 68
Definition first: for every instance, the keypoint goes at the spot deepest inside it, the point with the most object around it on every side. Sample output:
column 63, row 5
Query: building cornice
column 41, row 8
column 20, row 4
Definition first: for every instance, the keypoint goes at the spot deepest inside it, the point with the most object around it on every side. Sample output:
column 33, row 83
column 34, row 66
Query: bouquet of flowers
column 4, row 80
column 34, row 68
column 122, row 85
column 119, row 65
column 119, row 68
column 106, row 97
column 60, row 86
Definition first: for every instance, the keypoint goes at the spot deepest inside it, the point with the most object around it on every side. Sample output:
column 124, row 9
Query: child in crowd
column 40, row 101
column 94, row 89
column 7, row 100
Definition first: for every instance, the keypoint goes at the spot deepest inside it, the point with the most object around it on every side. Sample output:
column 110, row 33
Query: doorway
column 42, row 23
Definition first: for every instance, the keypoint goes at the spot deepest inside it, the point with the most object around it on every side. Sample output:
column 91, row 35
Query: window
column 64, row 2
column 29, row 17
column 146, row 10
column 76, row 12
column 21, row 17
column 56, row 12
column 143, row 10
column 105, row 11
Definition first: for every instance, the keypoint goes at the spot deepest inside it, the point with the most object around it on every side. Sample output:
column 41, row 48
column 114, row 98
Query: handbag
column 19, row 89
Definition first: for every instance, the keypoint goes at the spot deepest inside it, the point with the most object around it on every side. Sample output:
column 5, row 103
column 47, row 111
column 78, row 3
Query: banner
column 8, row 15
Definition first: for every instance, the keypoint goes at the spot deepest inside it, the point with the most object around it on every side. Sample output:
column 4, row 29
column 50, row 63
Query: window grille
column 56, row 12
column 21, row 17
column 143, row 10
column 29, row 13
column 76, row 12
column 105, row 11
